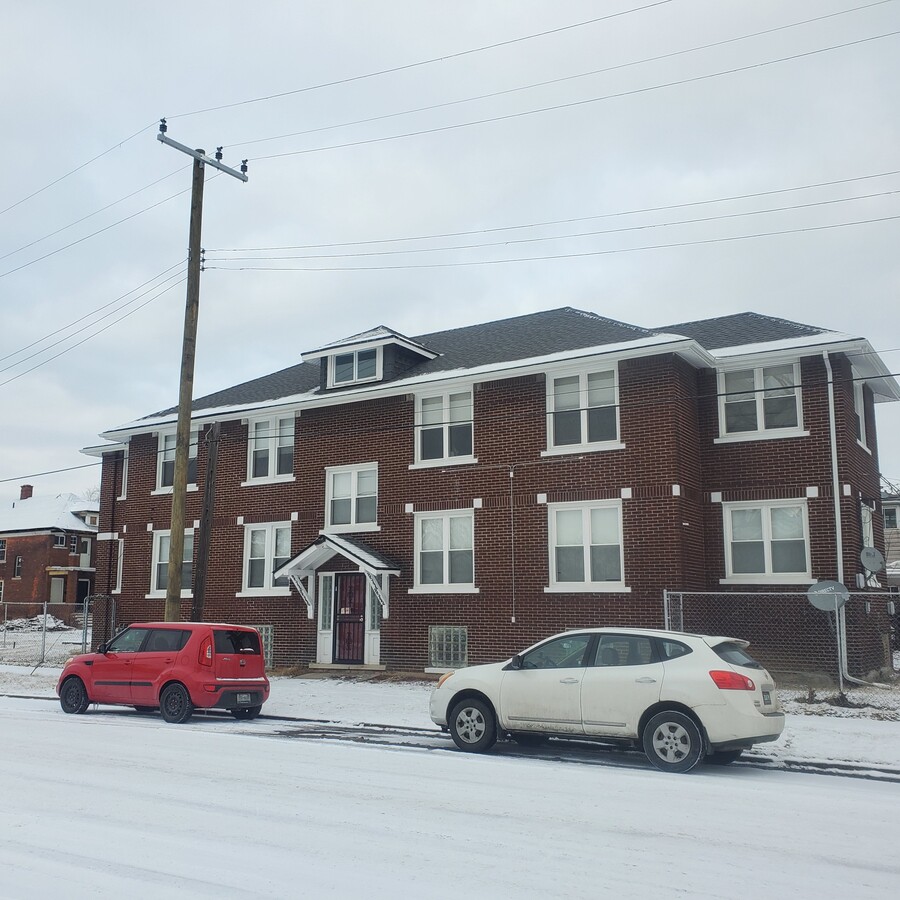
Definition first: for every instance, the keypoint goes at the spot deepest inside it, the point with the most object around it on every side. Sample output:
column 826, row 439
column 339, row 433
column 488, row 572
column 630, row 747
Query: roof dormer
column 369, row 357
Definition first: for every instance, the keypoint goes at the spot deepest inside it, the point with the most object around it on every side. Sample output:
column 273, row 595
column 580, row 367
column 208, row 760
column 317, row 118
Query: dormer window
column 351, row 368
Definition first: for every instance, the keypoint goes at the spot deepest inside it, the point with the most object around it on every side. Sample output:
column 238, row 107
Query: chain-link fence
column 850, row 658
column 47, row 634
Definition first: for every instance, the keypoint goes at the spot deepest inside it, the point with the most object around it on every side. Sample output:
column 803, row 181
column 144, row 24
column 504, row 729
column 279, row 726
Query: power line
column 577, row 103
column 560, row 80
column 628, row 212
column 492, row 262
column 77, row 168
column 561, row 237
column 424, row 62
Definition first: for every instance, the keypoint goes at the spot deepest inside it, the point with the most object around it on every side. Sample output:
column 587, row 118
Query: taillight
column 731, row 681
column 206, row 652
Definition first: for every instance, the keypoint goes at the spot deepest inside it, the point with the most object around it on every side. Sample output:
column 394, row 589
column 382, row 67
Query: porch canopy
column 305, row 564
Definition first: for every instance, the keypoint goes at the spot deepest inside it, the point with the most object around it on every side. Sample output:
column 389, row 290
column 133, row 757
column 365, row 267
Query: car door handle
column 568, row 681
column 645, row 680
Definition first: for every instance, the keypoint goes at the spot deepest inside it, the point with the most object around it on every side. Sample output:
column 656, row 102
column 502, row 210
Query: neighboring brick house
column 47, row 548
column 421, row 502
column 890, row 504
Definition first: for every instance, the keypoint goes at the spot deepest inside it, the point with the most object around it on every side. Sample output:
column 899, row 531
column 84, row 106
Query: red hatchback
column 173, row 667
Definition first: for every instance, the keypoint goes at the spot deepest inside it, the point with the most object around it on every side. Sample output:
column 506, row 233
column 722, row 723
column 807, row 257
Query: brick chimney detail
column 26, row 491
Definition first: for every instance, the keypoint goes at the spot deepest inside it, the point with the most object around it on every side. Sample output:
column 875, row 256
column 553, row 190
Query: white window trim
column 444, row 588
column 274, row 433
column 193, row 447
column 56, row 542
column 351, row 526
column 1, row 590
column 767, row 577
column 884, row 509
column 119, row 564
column 859, row 409
column 155, row 593
column 585, row 587
column 124, row 494
column 3, row 550
column 761, row 433
column 585, row 446
column 332, row 363
column 445, row 460
column 265, row 591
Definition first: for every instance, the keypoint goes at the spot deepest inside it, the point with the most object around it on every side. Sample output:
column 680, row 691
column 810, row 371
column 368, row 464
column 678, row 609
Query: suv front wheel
column 473, row 726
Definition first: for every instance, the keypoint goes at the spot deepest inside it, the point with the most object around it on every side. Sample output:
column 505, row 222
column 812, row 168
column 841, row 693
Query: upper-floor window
column 445, row 551
column 73, row 544
column 859, row 410
column 159, row 573
column 59, row 540
column 355, row 366
column 123, row 493
column 271, row 449
column 2, row 549
column 17, row 568
column 890, row 516
column 766, row 541
column 582, row 411
column 1, row 590
column 165, row 461
column 444, row 428
column 266, row 547
column 586, row 546
column 761, row 400
column 351, row 498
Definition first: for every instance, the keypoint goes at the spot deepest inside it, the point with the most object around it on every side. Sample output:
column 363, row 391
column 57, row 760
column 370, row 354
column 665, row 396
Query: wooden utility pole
column 186, row 384
column 206, row 520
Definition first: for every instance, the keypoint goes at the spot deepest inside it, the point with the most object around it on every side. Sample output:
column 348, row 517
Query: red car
column 173, row 667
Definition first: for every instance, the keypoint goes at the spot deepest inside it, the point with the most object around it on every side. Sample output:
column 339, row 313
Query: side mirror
column 102, row 648
column 515, row 662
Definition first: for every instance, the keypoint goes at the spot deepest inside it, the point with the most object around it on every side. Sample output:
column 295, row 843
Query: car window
column 673, row 649
column 167, row 639
column 623, row 650
column 562, row 653
column 735, row 654
column 129, row 641
column 246, row 642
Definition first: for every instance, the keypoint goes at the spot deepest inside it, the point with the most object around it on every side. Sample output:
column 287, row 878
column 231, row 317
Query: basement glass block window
column 267, row 634
column 448, row 646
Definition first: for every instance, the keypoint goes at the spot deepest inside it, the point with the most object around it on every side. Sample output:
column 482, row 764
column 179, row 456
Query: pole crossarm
column 202, row 157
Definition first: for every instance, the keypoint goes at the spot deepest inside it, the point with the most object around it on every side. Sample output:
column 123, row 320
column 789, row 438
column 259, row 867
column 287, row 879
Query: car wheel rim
column 470, row 725
column 671, row 742
column 173, row 704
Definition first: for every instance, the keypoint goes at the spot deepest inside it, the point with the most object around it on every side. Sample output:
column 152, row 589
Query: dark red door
column 350, row 619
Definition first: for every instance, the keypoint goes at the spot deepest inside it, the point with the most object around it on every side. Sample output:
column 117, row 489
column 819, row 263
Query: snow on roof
column 43, row 513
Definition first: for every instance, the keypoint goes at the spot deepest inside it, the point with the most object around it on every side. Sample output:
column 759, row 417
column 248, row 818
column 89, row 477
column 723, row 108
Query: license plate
column 767, row 697
column 245, row 699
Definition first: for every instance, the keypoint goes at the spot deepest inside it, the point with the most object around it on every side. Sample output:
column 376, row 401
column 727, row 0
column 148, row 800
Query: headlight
column 444, row 677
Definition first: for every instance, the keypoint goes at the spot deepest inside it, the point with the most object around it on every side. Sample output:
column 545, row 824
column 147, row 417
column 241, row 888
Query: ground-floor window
column 267, row 635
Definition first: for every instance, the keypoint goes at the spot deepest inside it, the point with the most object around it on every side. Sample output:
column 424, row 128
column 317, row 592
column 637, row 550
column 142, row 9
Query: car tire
column 529, row 740
column 723, row 757
column 73, row 696
column 246, row 712
column 175, row 704
column 145, row 709
column 473, row 725
column 673, row 742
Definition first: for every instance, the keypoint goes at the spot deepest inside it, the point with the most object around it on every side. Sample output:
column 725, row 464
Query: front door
column 350, row 619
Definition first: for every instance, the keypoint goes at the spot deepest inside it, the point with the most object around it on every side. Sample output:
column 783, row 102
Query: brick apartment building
column 47, row 548
column 419, row 503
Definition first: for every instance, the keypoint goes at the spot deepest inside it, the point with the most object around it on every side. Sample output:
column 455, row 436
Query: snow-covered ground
column 117, row 804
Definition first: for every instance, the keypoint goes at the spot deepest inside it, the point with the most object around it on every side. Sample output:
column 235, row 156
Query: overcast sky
column 593, row 126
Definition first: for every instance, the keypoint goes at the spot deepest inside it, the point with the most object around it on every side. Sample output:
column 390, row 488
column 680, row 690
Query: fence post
column 84, row 622
column 44, row 636
column 5, row 609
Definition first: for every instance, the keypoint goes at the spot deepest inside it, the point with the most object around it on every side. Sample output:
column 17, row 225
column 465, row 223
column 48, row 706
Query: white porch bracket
column 374, row 584
column 297, row 582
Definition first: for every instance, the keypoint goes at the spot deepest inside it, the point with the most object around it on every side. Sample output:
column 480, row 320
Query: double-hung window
column 2, row 549
column 355, row 366
column 159, row 576
column 59, row 540
column 271, row 449
column 444, row 428
column 859, row 410
column 165, row 461
column 767, row 541
column 760, row 402
column 445, row 551
column 586, row 546
column 890, row 518
column 582, row 412
column 351, row 498
column 17, row 567
column 266, row 547
column 1, row 590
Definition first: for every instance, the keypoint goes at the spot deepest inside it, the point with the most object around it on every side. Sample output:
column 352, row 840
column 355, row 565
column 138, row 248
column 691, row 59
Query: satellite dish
column 828, row 595
column 871, row 559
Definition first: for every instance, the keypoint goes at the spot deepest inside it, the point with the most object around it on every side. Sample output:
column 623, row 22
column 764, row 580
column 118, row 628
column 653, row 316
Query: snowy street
column 113, row 803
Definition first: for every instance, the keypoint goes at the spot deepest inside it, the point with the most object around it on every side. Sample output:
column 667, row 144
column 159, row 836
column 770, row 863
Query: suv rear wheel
column 175, row 704
column 672, row 742
column 473, row 726
column 73, row 696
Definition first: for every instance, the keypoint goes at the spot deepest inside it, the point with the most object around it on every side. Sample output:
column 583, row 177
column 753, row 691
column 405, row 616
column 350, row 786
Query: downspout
column 512, row 544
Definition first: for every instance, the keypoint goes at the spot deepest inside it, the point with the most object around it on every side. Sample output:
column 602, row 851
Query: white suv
column 681, row 697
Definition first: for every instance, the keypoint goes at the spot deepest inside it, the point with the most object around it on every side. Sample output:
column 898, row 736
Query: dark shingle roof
column 741, row 328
